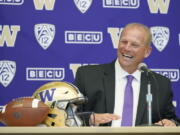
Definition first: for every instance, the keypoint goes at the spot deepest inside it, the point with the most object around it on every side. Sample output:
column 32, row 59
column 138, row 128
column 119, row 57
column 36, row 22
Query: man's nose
column 127, row 46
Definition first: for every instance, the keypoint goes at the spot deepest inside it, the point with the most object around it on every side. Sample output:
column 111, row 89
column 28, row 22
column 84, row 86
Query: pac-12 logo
column 44, row 34
column 83, row 5
column 7, row 72
column 160, row 37
column 11, row 2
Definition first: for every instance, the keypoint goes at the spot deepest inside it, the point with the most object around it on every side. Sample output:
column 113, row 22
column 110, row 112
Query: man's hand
column 102, row 118
column 165, row 122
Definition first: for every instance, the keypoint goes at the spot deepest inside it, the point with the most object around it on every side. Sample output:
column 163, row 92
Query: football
column 24, row 111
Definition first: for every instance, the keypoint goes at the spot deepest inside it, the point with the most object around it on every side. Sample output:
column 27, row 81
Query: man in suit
column 105, row 85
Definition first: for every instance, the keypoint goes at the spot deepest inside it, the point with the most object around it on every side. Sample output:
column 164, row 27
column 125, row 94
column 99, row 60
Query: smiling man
column 116, row 91
column 134, row 46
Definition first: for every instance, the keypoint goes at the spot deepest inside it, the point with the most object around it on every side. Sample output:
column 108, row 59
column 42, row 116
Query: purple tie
column 127, row 114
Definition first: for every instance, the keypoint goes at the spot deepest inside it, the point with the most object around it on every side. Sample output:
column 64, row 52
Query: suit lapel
column 109, row 86
column 142, row 100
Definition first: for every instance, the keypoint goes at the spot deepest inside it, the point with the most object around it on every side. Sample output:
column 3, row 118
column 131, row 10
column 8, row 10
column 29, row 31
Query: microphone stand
column 149, row 103
column 149, row 96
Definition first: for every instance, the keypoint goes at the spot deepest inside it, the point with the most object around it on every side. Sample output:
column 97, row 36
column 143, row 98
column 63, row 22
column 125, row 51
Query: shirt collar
column 121, row 73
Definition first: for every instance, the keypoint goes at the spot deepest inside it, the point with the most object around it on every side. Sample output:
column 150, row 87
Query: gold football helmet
column 56, row 117
column 63, row 98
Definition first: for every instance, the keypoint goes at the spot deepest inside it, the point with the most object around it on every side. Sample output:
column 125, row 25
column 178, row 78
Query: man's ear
column 148, row 51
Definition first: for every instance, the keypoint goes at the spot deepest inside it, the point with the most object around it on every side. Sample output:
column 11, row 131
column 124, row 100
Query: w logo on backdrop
column 156, row 6
column 7, row 72
column 8, row 35
column 44, row 4
column 115, row 34
column 44, row 34
column 83, row 5
column 160, row 37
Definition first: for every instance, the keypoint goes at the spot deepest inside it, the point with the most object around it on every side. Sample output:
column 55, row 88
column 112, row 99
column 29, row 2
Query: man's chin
column 126, row 64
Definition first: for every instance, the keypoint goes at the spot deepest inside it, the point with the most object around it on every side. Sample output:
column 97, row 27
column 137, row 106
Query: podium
column 89, row 130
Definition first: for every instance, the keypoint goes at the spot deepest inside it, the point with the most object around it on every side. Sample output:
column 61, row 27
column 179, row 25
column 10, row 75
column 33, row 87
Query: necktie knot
column 129, row 79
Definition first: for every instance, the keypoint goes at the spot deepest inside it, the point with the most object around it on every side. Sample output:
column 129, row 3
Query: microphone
column 143, row 68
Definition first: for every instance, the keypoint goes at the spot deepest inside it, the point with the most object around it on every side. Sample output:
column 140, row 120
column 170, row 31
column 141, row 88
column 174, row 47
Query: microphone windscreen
column 142, row 66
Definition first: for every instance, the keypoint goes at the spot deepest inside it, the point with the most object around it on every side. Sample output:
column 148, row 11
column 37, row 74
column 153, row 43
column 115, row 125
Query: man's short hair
column 143, row 27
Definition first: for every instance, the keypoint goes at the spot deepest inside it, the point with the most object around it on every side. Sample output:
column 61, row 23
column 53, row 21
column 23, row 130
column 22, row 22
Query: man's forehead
column 134, row 36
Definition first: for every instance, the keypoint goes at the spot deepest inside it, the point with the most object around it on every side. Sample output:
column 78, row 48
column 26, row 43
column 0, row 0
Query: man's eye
column 123, row 42
column 135, row 45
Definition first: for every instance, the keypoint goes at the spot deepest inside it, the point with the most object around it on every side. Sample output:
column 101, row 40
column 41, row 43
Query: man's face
column 132, row 48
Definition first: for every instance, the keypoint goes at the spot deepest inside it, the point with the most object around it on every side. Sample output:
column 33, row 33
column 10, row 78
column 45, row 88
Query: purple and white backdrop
column 47, row 40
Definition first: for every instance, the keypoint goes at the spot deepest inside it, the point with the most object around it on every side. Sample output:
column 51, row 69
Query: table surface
column 89, row 130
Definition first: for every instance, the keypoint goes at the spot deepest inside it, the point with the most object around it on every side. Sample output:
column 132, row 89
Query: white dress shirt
column 120, row 83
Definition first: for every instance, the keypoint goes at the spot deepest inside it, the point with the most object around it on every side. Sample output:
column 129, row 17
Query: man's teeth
column 128, row 56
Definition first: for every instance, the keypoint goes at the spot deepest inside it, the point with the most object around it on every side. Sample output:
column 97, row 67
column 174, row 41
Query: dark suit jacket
column 97, row 82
